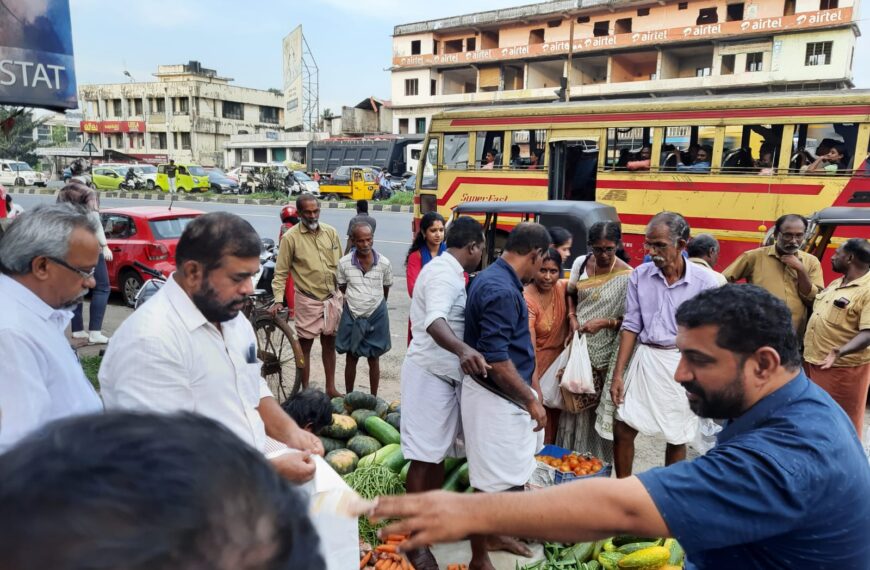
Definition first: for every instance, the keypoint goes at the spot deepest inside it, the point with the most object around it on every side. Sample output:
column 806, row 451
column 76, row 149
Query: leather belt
column 659, row 346
column 312, row 296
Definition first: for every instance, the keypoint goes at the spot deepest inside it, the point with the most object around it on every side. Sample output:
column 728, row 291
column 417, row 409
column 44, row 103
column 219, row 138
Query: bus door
column 573, row 165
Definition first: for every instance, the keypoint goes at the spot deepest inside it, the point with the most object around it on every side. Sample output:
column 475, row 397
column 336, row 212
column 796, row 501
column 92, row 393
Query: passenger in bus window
column 701, row 163
column 643, row 161
column 831, row 162
column 765, row 163
column 535, row 159
column 516, row 161
column 488, row 160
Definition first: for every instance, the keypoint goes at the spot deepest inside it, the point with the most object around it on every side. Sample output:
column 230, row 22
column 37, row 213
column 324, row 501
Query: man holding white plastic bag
column 502, row 416
column 647, row 398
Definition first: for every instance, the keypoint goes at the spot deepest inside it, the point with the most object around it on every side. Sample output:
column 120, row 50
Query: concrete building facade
column 188, row 114
column 600, row 49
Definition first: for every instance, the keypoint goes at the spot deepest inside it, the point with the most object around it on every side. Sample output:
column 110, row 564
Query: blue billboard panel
column 36, row 54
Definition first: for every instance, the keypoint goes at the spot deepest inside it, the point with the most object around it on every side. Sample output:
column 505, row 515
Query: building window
column 470, row 44
column 683, row 6
column 158, row 105
column 754, row 61
column 435, row 47
column 185, row 141
column 601, row 28
column 707, row 16
column 158, row 140
column 702, row 71
column 819, row 53
column 269, row 115
column 233, row 110
column 183, row 106
column 116, row 107
column 734, row 12
column 622, row 26
column 403, row 126
column 433, row 87
column 415, row 47
column 536, row 36
column 137, row 107
column 643, row 11
column 583, row 20
column 119, row 140
column 727, row 65
column 554, row 23
column 411, row 87
column 421, row 125
column 828, row 5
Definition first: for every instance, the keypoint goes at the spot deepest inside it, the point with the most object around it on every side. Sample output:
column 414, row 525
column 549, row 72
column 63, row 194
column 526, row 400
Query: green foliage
column 91, row 366
column 18, row 143
column 401, row 198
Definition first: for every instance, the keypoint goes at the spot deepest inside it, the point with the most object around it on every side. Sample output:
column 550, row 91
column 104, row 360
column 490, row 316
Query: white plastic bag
column 578, row 378
column 551, row 378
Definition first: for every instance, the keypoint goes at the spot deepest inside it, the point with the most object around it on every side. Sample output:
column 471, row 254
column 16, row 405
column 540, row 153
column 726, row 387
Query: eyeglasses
column 657, row 246
column 792, row 237
column 82, row 273
column 602, row 250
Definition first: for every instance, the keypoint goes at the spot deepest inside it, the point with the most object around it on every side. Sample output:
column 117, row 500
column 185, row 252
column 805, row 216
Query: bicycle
column 278, row 347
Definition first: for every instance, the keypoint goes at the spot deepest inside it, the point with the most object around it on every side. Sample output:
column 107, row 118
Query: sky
column 350, row 39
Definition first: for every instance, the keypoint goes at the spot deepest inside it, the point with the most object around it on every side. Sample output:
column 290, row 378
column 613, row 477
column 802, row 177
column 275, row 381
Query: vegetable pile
column 619, row 552
column 385, row 556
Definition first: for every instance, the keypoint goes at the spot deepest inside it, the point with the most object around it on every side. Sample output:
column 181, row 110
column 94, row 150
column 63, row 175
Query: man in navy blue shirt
column 785, row 487
column 502, row 417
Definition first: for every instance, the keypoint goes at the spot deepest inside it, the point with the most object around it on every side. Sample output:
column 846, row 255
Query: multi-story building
column 599, row 49
column 187, row 114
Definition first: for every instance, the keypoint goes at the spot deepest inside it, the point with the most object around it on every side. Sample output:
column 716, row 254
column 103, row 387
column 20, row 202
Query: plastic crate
column 545, row 476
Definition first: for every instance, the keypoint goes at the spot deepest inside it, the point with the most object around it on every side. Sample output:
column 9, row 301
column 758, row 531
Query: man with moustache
column 793, row 275
column 786, row 486
column 189, row 348
column 647, row 400
column 47, row 261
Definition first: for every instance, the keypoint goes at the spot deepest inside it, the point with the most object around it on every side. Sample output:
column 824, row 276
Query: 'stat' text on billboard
column 36, row 55
column 824, row 18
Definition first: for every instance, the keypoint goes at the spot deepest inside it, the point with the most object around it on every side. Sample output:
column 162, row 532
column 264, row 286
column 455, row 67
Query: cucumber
column 403, row 474
column 651, row 557
column 360, row 416
column 378, row 457
column 453, row 480
column 623, row 539
column 394, row 460
column 381, row 430
column 580, row 552
column 610, row 560
column 451, row 463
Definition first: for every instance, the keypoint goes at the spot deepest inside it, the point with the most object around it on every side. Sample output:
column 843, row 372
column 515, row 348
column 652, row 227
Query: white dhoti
column 431, row 418
column 655, row 403
column 500, row 440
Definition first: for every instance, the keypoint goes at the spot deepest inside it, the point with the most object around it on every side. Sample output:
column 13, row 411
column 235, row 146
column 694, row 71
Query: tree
column 16, row 134
column 325, row 117
column 58, row 135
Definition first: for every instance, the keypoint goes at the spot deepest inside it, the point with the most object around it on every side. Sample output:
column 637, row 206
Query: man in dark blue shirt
column 502, row 416
column 785, row 487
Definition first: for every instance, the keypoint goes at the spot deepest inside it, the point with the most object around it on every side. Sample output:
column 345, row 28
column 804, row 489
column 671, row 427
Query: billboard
column 112, row 126
column 293, row 95
column 36, row 54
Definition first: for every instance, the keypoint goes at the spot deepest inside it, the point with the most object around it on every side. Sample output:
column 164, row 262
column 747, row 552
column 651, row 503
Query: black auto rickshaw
column 498, row 218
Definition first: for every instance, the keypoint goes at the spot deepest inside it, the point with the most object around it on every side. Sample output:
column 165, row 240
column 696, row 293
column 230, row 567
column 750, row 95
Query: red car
column 147, row 234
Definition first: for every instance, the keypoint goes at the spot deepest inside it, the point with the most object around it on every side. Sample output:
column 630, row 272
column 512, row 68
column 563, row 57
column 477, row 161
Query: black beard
column 724, row 405
column 214, row 312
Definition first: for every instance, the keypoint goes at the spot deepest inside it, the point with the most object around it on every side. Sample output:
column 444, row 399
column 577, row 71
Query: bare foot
column 507, row 544
column 334, row 394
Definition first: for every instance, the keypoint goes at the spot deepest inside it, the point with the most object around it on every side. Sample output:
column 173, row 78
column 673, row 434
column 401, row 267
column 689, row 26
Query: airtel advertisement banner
column 36, row 55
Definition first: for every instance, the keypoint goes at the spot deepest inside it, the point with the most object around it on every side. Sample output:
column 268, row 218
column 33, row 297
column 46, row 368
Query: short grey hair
column 43, row 231
column 678, row 227
column 305, row 197
column 360, row 224
column 701, row 245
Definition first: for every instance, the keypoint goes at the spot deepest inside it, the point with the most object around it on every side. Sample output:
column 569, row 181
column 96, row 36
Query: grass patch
column 400, row 198
column 91, row 366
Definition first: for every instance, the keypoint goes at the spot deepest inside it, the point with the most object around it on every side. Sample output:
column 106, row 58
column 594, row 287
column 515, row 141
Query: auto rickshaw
column 830, row 227
column 349, row 183
column 499, row 218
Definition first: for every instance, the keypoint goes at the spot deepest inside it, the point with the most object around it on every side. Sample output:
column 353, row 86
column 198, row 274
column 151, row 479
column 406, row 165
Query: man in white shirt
column 189, row 347
column 434, row 364
column 47, row 259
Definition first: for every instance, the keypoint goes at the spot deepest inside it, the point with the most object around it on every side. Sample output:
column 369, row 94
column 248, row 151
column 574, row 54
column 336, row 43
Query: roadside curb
column 223, row 200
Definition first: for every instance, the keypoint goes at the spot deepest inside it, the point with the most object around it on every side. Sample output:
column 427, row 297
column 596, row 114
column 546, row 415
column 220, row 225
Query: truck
column 397, row 153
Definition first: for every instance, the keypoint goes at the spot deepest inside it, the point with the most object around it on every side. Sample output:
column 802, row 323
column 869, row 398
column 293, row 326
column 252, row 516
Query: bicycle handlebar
column 150, row 271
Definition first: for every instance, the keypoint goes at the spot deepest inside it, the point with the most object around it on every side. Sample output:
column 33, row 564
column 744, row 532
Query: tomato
column 564, row 469
column 556, row 463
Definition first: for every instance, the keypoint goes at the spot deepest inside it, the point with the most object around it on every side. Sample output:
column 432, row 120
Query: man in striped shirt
column 364, row 277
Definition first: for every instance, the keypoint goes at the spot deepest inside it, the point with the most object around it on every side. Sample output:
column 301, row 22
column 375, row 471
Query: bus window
column 490, row 149
column 429, row 177
column 815, row 141
column 628, row 148
column 687, row 149
column 527, row 149
column 456, row 151
column 751, row 149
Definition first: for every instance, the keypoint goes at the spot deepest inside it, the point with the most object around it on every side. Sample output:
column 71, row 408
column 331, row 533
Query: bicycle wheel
column 281, row 354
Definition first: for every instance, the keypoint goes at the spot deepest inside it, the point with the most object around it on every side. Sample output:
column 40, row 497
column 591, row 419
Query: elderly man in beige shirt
column 310, row 251
column 783, row 269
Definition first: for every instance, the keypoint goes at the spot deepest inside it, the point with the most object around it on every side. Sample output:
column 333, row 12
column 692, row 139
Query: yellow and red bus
column 761, row 148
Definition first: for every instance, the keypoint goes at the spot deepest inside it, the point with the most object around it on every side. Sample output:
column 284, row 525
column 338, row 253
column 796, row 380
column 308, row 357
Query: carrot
column 386, row 548
column 405, row 564
column 379, row 565
column 396, row 537
column 365, row 559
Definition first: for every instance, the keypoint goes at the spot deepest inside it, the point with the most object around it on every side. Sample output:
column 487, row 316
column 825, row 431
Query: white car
column 17, row 173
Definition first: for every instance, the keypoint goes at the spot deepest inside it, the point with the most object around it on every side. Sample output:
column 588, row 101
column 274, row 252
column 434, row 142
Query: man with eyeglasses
column 47, row 261
column 783, row 269
column 647, row 399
